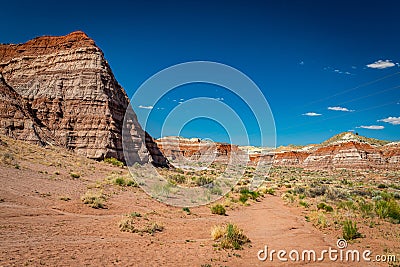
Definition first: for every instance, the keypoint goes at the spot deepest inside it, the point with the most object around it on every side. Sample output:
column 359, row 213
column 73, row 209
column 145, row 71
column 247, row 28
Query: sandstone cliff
column 71, row 93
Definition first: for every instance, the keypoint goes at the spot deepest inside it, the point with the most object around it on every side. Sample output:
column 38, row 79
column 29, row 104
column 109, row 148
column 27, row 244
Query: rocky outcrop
column 290, row 158
column 176, row 147
column 345, row 150
column 16, row 120
column 72, row 93
column 345, row 154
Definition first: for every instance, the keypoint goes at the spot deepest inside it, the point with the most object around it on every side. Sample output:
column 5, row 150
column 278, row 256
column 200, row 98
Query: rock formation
column 67, row 89
column 16, row 119
column 345, row 150
column 176, row 147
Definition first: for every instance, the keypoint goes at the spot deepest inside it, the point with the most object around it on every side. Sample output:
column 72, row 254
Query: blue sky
column 307, row 57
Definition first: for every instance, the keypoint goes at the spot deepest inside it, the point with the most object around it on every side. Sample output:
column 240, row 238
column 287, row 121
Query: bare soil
column 43, row 220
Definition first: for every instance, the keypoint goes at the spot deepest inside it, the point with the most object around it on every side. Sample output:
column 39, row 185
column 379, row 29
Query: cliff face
column 71, row 92
column 16, row 120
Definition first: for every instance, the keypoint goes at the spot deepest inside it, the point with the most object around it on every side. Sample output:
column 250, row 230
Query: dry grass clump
column 135, row 223
column 229, row 236
column 218, row 209
column 94, row 199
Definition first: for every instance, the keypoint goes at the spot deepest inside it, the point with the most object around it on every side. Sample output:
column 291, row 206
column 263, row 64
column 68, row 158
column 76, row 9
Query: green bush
column 179, row 178
column 243, row 198
column 187, row 210
column 323, row 206
column 304, row 204
column 124, row 181
column 350, row 230
column 269, row 191
column 114, row 161
column 218, row 209
column 388, row 209
column 365, row 208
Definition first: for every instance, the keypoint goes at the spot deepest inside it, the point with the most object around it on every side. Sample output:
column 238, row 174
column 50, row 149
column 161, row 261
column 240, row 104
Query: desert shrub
column 94, row 199
column 325, row 207
column 388, row 209
column 333, row 193
column 304, row 204
column 114, row 161
column 288, row 197
column 229, row 236
column 127, row 225
column 365, row 208
column 8, row 158
column 318, row 219
column 124, row 181
column 130, row 225
column 302, row 196
column 382, row 186
column 269, row 191
column 187, row 210
column 317, row 191
column 299, row 190
column 178, row 170
column 218, row 209
column 347, row 205
column 249, row 193
column 387, row 196
column 134, row 214
column 215, row 190
column 179, row 178
column 350, row 230
column 75, row 175
column 243, row 198
column 201, row 180
column 153, row 227
column 394, row 211
column 217, row 232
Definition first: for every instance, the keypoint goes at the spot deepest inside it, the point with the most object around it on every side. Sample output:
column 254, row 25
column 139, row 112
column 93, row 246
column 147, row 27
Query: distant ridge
column 350, row 136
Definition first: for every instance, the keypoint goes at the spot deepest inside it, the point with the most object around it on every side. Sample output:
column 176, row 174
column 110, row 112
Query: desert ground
column 45, row 222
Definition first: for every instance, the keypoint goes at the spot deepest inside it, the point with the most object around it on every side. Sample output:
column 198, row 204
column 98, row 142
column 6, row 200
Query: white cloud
column 338, row 71
column 372, row 127
column 381, row 64
column 392, row 120
column 145, row 107
column 340, row 109
column 311, row 114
